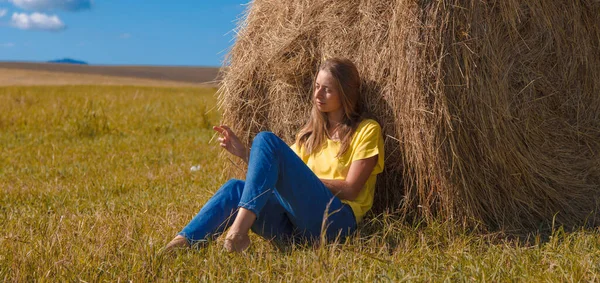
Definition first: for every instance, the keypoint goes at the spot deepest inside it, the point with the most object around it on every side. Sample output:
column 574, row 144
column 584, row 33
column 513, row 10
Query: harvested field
column 185, row 75
column 15, row 77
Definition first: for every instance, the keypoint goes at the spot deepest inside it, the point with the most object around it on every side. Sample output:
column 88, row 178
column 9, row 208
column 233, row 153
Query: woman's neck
column 335, row 118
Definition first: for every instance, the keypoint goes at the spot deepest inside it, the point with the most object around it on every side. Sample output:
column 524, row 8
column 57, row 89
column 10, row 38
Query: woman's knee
column 265, row 135
column 265, row 138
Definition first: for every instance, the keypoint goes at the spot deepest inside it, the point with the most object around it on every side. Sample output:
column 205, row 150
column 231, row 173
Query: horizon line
column 109, row 65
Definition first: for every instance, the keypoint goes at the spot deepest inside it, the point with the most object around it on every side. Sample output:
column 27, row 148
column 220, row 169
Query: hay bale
column 490, row 109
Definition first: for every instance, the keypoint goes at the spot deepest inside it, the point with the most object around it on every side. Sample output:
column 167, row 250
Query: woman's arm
column 358, row 173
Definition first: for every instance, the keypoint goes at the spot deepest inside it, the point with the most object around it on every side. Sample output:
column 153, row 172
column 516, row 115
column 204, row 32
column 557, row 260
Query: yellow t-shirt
column 366, row 142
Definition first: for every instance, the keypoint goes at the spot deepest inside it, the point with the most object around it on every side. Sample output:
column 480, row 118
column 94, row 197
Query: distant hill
column 68, row 61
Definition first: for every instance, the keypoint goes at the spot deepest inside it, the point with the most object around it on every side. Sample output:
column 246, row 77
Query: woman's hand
column 231, row 142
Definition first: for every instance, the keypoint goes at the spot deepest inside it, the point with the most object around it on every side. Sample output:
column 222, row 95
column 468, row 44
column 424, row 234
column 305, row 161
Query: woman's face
column 327, row 94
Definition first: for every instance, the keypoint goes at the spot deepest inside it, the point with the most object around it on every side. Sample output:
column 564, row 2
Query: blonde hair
column 314, row 134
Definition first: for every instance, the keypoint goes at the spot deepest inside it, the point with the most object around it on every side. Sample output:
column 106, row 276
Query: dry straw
column 490, row 109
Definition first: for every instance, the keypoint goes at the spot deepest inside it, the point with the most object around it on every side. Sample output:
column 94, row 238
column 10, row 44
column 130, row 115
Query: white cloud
column 3, row 12
column 46, row 5
column 7, row 45
column 37, row 21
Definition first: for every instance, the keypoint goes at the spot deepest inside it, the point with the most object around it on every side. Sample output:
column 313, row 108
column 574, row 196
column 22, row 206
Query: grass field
column 94, row 180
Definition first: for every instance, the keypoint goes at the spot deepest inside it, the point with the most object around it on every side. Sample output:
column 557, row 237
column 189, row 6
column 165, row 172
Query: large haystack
column 491, row 109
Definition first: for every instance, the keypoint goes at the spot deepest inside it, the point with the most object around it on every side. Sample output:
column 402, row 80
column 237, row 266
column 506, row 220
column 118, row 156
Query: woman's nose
column 318, row 92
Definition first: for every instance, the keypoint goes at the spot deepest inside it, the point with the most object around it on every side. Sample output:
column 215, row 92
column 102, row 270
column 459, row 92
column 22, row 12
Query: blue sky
column 119, row 32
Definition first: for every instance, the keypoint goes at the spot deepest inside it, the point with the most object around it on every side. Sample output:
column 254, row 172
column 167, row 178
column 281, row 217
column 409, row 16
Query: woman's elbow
column 353, row 193
column 351, row 197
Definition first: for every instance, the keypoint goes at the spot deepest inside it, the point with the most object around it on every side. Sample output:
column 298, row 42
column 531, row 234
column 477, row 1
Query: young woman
column 324, row 183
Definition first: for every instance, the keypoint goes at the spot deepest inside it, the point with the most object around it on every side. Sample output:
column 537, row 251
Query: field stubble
column 95, row 180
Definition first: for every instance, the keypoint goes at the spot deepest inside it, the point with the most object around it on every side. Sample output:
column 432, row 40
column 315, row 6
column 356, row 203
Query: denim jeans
column 289, row 200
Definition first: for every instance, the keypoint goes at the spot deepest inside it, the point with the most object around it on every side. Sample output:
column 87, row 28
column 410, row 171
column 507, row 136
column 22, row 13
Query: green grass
column 94, row 180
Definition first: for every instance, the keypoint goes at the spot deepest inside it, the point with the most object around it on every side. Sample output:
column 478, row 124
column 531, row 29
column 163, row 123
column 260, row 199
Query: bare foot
column 237, row 239
column 236, row 242
column 178, row 242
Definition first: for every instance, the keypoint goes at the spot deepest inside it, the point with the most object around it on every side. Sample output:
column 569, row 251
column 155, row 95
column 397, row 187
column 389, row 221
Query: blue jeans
column 289, row 200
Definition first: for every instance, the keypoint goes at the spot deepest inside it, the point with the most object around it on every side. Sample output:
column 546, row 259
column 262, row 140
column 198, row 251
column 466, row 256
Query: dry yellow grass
column 94, row 180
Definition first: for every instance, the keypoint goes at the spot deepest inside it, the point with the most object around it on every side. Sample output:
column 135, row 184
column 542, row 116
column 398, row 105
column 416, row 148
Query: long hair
column 314, row 134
